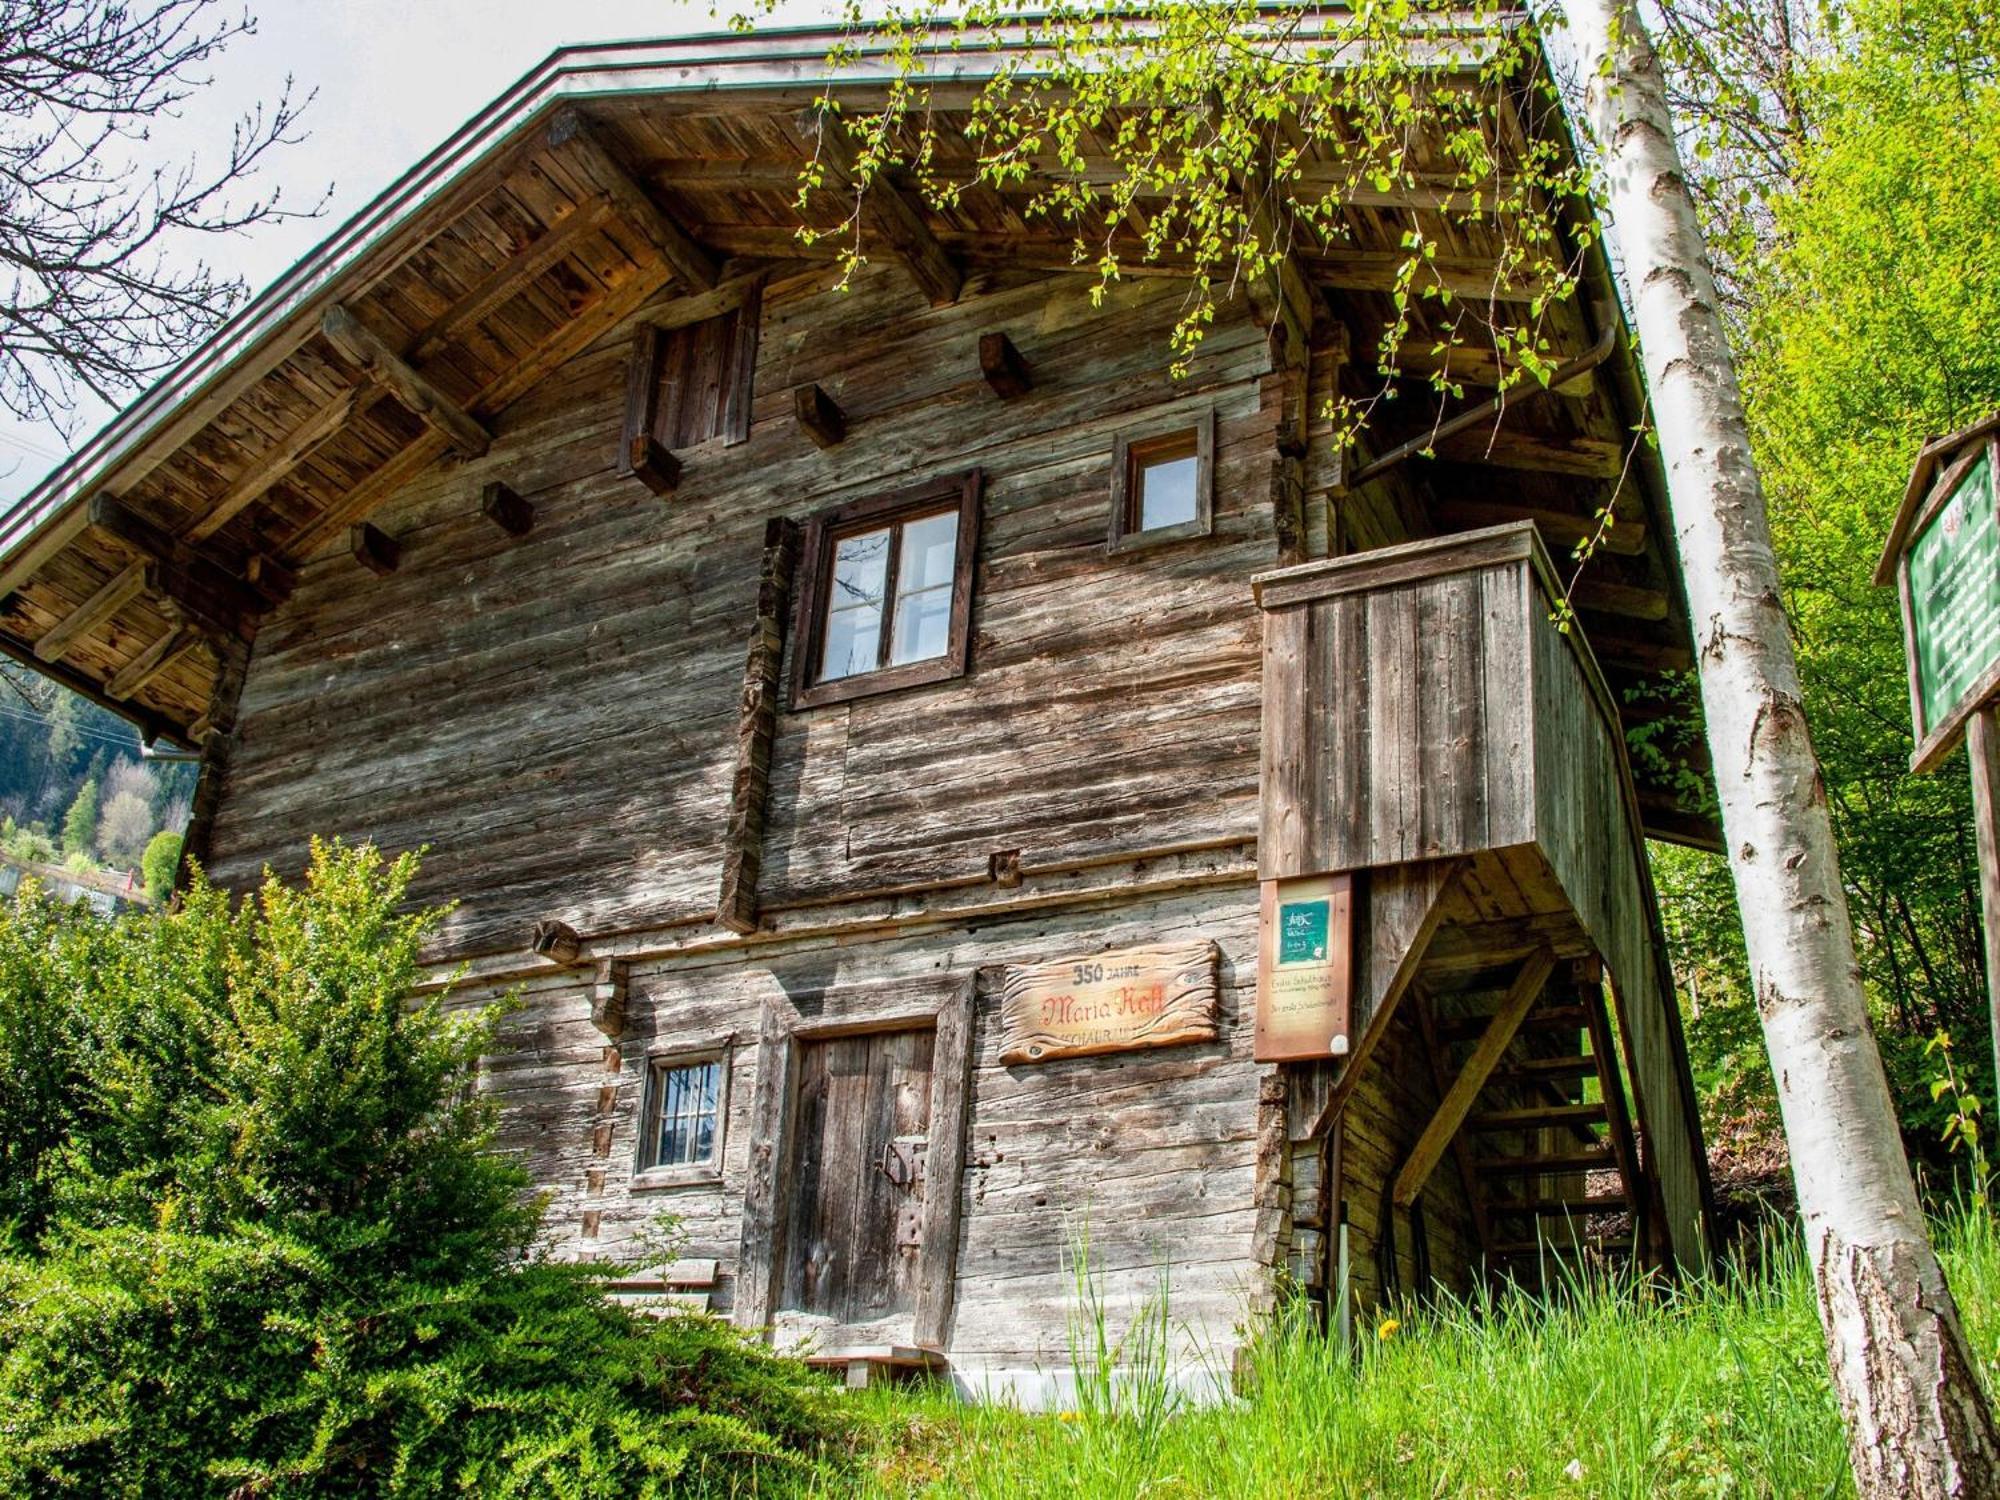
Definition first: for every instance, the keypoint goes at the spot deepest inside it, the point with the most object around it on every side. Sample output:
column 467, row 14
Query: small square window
column 681, row 1133
column 1161, row 484
column 886, row 595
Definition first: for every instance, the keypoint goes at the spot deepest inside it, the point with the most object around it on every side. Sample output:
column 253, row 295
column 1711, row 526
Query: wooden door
column 857, row 1178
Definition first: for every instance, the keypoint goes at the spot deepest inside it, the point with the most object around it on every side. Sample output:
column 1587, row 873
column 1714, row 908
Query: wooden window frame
column 816, row 572
column 1127, row 449
column 682, row 1174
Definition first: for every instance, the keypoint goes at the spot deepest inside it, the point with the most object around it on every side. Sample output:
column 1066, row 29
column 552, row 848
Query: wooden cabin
column 971, row 816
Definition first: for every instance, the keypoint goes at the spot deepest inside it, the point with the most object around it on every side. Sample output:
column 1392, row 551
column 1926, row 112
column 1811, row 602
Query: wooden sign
column 1108, row 1002
column 1950, row 581
column 1305, row 968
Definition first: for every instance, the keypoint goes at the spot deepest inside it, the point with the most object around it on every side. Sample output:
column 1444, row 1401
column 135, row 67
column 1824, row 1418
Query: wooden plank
column 216, row 600
column 896, row 213
column 366, row 349
column 507, row 280
column 944, row 1171
column 692, row 265
column 1982, row 748
column 756, row 730
column 1492, row 1045
column 112, row 596
column 160, row 656
column 762, row 1242
column 46, row 546
column 504, row 508
column 372, row 547
column 217, row 744
column 1461, row 1148
column 271, row 467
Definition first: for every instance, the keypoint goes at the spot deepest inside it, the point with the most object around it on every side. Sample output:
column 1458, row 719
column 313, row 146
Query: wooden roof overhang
column 137, row 572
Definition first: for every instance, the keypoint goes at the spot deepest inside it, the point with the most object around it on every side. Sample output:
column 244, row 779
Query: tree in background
column 157, row 866
column 95, row 231
column 80, row 822
column 124, row 827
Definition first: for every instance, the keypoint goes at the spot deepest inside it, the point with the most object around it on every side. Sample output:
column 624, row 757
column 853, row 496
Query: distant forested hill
column 74, row 787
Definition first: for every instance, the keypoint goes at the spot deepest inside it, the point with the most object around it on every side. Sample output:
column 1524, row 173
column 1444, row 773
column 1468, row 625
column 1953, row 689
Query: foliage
column 1234, row 132
column 161, row 859
column 80, row 822
column 1871, row 322
column 1717, row 1388
column 124, row 827
column 259, row 1240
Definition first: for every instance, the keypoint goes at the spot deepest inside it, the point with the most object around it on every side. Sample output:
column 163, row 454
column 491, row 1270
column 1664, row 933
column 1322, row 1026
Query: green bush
column 258, row 1241
column 80, row 822
column 158, row 863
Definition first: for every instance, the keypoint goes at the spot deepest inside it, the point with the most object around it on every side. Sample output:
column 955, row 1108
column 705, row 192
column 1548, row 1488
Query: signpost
column 1943, row 554
column 1305, row 968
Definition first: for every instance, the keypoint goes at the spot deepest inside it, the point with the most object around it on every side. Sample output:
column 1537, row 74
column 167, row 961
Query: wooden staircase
column 1533, row 1109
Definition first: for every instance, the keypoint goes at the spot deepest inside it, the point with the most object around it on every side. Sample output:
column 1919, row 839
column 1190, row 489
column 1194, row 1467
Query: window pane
column 923, row 626
column 688, row 1100
column 930, row 547
column 854, row 604
column 1166, row 492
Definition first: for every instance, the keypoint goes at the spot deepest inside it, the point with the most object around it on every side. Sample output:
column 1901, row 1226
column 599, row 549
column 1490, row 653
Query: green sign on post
column 1952, row 599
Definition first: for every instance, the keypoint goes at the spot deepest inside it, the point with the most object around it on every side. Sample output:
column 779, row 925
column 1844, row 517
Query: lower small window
column 683, row 1126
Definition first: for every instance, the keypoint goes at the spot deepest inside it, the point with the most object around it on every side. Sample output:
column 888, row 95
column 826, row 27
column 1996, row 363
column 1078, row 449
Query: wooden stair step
column 1557, row 1208
column 1537, row 1116
column 1514, row 1249
column 1600, row 1159
column 1541, row 1069
column 1547, row 1018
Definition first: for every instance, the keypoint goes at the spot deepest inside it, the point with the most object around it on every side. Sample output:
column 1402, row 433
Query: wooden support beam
column 111, row 597
column 275, row 465
column 1648, row 1222
column 504, row 508
column 1510, row 446
column 896, row 213
column 156, row 658
column 1288, row 509
column 208, row 594
column 1468, row 276
column 1492, row 1045
column 608, row 992
column 1001, row 363
column 1461, row 1148
column 1561, row 529
column 818, row 417
column 367, row 494
column 213, row 735
column 365, row 349
column 556, row 941
column 1405, row 904
column 652, row 465
column 1537, row 1117
column 691, row 264
column 374, row 548
column 511, row 277
column 756, row 730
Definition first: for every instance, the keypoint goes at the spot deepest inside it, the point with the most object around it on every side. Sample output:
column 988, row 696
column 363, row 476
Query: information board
column 1953, row 601
column 1305, row 968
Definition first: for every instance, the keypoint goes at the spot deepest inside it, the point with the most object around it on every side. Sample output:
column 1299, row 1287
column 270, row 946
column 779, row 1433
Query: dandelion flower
column 1388, row 1328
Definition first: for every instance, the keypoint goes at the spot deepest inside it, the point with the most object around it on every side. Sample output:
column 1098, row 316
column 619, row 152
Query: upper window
column 1162, row 484
column 682, row 1131
column 886, row 596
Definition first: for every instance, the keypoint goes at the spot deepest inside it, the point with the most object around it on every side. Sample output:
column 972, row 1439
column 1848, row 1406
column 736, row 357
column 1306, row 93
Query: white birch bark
column 1916, row 1420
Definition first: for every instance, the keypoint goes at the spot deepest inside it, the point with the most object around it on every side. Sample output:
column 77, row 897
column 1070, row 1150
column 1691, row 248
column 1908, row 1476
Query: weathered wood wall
column 554, row 715
column 1141, row 1163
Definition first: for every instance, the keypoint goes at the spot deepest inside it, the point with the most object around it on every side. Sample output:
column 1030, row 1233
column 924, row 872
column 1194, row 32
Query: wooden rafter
column 113, row 596
column 1486, row 1054
column 208, row 594
column 362, row 345
column 1561, row 529
column 274, row 465
column 692, row 264
column 894, row 211
column 160, row 656
column 507, row 280
column 1461, row 1148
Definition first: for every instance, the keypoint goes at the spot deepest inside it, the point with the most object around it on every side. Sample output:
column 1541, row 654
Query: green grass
column 1719, row 1389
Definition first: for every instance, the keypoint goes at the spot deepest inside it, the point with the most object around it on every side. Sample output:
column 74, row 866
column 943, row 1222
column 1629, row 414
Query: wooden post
column 1982, row 748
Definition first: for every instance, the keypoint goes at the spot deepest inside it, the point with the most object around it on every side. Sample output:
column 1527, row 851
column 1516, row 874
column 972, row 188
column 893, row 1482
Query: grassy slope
column 1721, row 1391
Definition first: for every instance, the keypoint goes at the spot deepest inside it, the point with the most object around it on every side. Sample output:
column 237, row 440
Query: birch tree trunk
column 1917, row 1422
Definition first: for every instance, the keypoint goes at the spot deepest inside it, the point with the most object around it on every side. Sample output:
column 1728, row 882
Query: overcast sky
column 395, row 77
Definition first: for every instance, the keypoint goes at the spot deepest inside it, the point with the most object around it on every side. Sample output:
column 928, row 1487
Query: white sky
column 395, row 77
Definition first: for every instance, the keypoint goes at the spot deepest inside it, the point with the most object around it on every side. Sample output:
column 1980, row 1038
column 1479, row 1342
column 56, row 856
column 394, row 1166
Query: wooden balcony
column 1428, row 727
